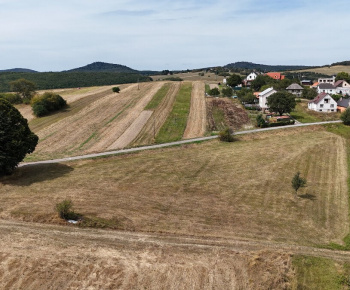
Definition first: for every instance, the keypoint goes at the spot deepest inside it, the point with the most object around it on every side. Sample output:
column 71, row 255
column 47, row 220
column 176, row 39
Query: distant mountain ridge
column 264, row 67
column 103, row 67
column 25, row 70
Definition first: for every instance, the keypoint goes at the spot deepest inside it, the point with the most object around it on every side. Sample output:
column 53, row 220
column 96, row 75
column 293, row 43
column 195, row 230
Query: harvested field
column 26, row 111
column 93, row 123
column 209, row 189
column 159, row 116
column 196, row 123
column 40, row 257
column 332, row 70
column 224, row 112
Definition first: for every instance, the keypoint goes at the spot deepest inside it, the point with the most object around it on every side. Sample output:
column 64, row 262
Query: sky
column 51, row 35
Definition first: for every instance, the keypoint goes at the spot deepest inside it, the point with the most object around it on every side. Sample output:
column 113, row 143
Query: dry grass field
column 332, row 70
column 190, row 76
column 39, row 257
column 210, row 189
column 94, row 121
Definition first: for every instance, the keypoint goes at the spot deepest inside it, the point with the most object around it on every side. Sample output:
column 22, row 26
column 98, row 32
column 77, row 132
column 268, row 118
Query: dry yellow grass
column 101, row 119
column 190, row 76
column 39, row 257
column 210, row 189
column 332, row 70
column 196, row 123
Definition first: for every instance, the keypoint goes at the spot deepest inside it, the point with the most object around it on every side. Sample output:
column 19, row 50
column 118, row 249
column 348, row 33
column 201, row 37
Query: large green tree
column 234, row 80
column 26, row 89
column 281, row 102
column 343, row 76
column 16, row 139
column 345, row 117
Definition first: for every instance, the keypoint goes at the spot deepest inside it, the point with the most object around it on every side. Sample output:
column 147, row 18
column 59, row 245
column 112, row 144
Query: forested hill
column 104, row 67
column 58, row 80
column 263, row 67
column 18, row 70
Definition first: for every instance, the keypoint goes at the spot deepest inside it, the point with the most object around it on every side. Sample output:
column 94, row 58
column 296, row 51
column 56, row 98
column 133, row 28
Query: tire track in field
column 196, row 123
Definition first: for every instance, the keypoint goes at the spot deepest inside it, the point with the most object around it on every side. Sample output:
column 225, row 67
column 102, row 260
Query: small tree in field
column 116, row 89
column 298, row 182
column 65, row 211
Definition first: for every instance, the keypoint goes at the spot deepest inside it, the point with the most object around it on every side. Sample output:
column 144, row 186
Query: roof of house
column 319, row 98
column 294, row 87
column 315, row 84
column 256, row 94
column 343, row 102
column 275, row 75
column 326, row 86
column 266, row 91
column 338, row 83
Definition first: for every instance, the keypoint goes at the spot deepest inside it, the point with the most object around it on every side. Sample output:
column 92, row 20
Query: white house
column 251, row 77
column 323, row 103
column 263, row 97
column 340, row 87
column 327, row 80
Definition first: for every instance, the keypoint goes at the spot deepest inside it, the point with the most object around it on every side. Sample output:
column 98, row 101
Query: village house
column 275, row 75
column 340, row 87
column 343, row 104
column 263, row 97
column 251, row 77
column 306, row 82
column 295, row 89
column 323, row 103
column 327, row 80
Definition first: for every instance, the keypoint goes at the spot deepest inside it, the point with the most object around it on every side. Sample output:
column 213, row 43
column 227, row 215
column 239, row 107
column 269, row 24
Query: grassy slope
column 303, row 115
column 175, row 125
column 333, row 70
column 174, row 190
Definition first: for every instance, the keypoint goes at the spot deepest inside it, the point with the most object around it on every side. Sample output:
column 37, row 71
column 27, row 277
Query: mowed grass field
column 215, row 189
column 332, row 70
column 304, row 115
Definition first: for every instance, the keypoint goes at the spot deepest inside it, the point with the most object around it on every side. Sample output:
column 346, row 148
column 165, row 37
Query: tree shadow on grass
column 308, row 196
column 29, row 174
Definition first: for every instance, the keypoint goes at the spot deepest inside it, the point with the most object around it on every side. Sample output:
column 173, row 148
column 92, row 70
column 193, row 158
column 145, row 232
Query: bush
column 260, row 121
column 174, row 79
column 214, row 92
column 226, row 135
column 12, row 98
column 116, row 89
column 64, row 210
column 345, row 117
column 47, row 103
column 282, row 123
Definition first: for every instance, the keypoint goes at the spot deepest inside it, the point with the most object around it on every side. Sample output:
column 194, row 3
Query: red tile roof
column 318, row 98
column 275, row 75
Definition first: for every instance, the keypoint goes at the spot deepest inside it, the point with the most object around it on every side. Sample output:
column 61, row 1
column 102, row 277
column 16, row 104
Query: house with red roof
column 275, row 75
column 323, row 103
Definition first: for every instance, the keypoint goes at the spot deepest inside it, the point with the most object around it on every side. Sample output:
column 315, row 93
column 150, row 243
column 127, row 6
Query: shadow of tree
column 29, row 174
column 308, row 196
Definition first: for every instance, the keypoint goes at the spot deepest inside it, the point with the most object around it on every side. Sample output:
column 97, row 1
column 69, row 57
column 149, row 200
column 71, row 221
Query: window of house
column 321, row 105
column 332, row 110
column 320, row 110
column 326, row 101
column 332, row 105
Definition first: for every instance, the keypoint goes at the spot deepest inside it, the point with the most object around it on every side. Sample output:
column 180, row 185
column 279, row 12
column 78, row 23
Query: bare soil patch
column 196, row 123
column 234, row 116
column 213, row 86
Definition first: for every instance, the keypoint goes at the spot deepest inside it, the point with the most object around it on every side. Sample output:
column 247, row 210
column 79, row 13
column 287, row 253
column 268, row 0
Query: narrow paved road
column 150, row 147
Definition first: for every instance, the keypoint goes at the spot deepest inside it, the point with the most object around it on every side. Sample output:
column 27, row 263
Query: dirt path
column 196, row 123
column 130, row 134
column 158, row 117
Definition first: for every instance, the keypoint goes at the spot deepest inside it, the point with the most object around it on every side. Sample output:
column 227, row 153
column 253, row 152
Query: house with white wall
column 327, row 80
column 251, row 77
column 340, row 87
column 323, row 103
column 263, row 97
column 295, row 89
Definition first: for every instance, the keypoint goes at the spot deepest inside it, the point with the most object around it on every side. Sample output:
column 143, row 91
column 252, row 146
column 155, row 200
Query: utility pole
column 138, row 84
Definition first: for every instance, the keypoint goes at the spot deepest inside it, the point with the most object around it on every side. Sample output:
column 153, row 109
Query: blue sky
column 58, row 35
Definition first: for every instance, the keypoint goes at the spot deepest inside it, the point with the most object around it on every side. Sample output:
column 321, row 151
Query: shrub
column 64, row 210
column 260, row 121
column 116, row 89
column 214, row 92
column 47, row 103
column 11, row 98
column 226, row 135
column 345, row 117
